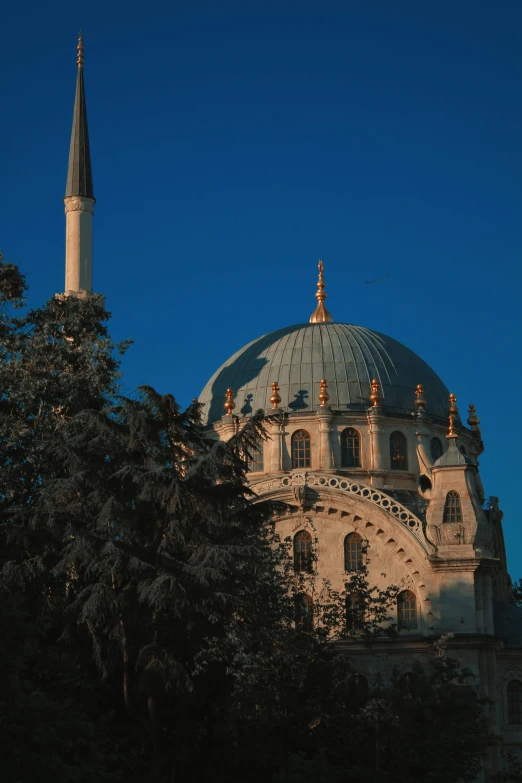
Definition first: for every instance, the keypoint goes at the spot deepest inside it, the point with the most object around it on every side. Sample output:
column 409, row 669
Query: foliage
column 149, row 606
column 515, row 596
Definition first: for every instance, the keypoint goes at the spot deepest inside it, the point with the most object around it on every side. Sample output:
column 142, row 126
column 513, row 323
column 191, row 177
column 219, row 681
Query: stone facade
column 453, row 562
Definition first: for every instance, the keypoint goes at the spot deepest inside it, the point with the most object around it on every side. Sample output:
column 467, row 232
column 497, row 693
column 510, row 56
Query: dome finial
column 453, row 411
column 473, row 419
column 375, row 397
column 323, row 394
column 229, row 402
column 420, row 402
column 320, row 314
column 275, row 399
column 79, row 59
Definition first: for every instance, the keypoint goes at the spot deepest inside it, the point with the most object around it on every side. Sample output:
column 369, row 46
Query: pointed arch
column 398, row 451
column 301, row 449
column 350, row 448
column 452, row 507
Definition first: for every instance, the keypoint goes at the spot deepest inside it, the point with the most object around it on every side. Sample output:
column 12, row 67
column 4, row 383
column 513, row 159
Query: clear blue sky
column 235, row 143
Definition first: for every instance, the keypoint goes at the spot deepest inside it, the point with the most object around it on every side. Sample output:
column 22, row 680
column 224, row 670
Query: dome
column 297, row 357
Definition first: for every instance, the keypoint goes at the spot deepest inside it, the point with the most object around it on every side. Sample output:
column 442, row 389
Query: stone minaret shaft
column 79, row 197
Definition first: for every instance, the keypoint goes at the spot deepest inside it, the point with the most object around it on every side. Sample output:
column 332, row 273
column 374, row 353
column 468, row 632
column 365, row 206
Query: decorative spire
column 229, row 402
column 420, row 402
column 79, row 174
column 323, row 394
column 473, row 419
column 320, row 314
column 375, row 396
column 79, row 59
column 275, row 399
column 453, row 411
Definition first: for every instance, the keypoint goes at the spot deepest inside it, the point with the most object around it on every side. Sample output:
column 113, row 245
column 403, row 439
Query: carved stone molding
column 345, row 485
column 79, row 204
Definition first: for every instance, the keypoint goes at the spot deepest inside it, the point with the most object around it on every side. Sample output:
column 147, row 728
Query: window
column 304, row 612
column 358, row 688
column 352, row 552
column 354, row 612
column 436, row 448
column 514, row 697
column 407, row 610
column 452, row 509
column 301, row 449
column 303, row 551
column 398, row 452
column 350, row 448
column 255, row 459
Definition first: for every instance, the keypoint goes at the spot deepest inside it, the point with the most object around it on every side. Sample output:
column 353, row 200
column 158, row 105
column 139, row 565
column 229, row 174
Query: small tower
column 79, row 196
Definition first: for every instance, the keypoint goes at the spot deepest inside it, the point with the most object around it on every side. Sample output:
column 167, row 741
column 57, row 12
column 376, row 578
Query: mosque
column 369, row 451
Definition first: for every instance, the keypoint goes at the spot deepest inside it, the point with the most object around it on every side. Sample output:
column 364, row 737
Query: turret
column 79, row 196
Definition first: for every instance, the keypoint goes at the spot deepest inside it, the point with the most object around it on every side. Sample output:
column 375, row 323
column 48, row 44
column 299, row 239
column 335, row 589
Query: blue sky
column 235, row 143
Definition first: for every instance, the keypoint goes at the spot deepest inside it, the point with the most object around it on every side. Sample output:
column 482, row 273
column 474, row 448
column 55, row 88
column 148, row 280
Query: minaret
column 79, row 197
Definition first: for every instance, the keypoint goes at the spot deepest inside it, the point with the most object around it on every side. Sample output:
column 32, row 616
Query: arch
column 350, row 448
column 452, row 507
column 354, row 613
column 302, row 551
column 301, row 449
column 398, row 451
column 255, row 459
column 353, row 552
column 304, row 612
column 407, row 610
column 358, row 689
column 436, row 449
column 514, row 702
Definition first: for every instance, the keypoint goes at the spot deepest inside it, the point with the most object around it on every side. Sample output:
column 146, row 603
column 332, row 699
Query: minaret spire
column 320, row 314
column 79, row 195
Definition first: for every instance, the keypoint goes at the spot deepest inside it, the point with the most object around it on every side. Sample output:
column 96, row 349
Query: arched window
column 303, row 551
column 354, row 613
column 301, row 449
column 398, row 451
column 255, row 459
column 436, row 448
column 358, row 688
column 407, row 609
column 352, row 552
column 304, row 612
column 452, row 509
column 350, row 448
column 514, row 696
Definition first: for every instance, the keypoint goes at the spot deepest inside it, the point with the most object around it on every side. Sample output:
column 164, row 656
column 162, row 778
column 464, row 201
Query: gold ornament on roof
column 229, row 402
column 375, row 397
column 79, row 59
column 453, row 411
column 473, row 419
column 420, row 402
column 320, row 314
column 275, row 399
column 323, row 394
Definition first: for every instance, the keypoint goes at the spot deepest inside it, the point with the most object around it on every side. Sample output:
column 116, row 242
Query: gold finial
column 275, row 399
column 420, row 402
column 323, row 394
column 473, row 419
column 229, row 402
column 320, row 314
column 79, row 59
column 375, row 396
column 453, row 411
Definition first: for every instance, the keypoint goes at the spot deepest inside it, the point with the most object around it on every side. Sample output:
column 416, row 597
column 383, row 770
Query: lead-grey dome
column 297, row 357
